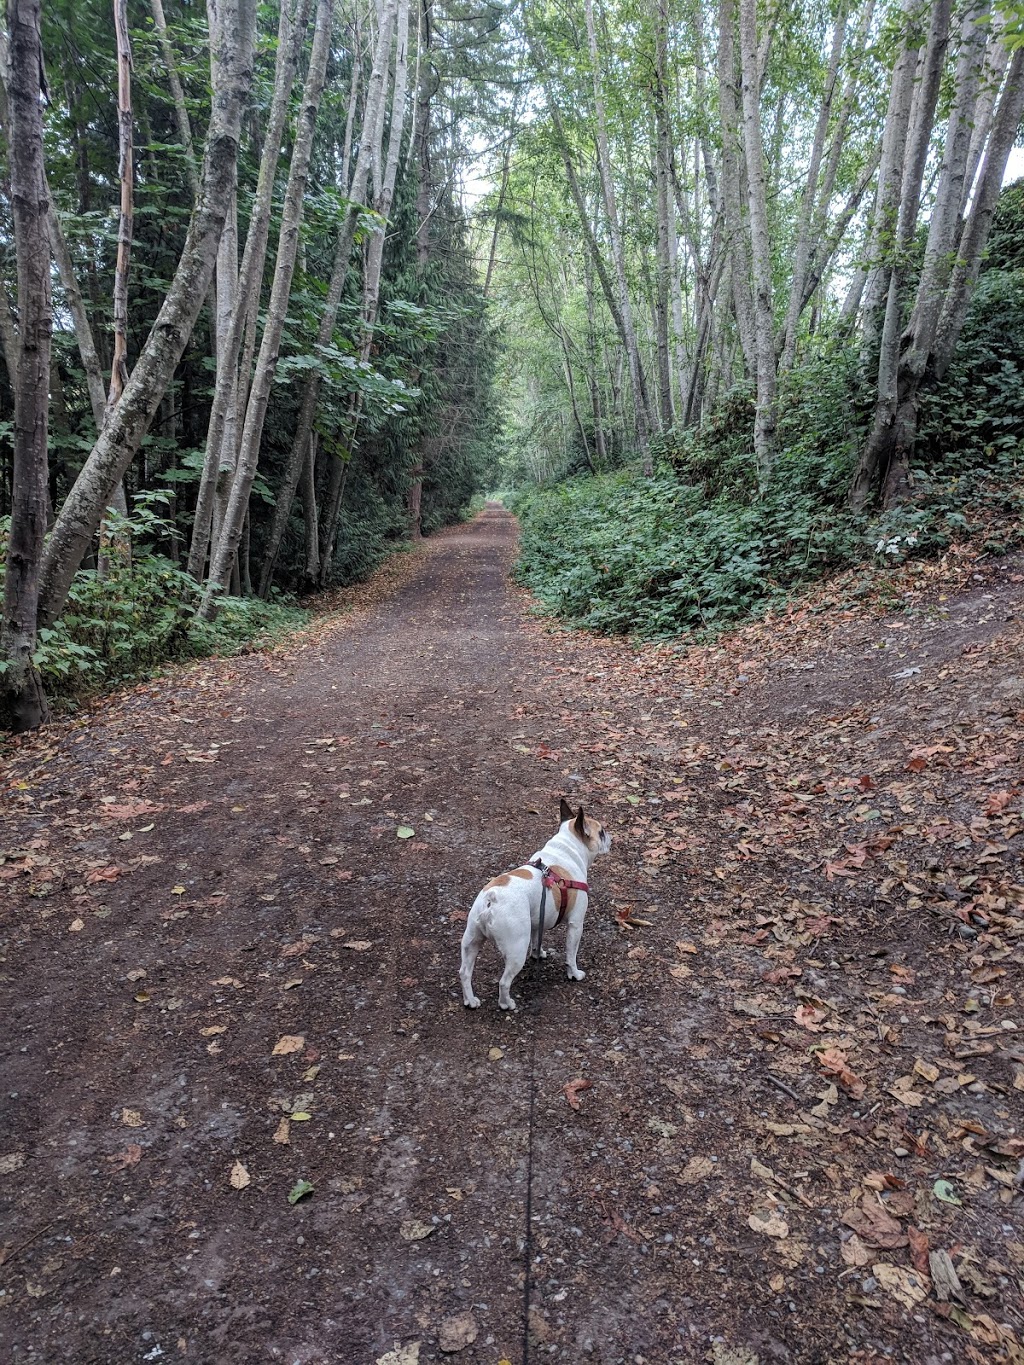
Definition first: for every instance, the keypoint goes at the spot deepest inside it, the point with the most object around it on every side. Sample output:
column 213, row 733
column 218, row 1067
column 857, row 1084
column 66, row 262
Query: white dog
column 507, row 910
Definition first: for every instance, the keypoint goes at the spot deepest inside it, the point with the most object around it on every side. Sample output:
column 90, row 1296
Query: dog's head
column 590, row 832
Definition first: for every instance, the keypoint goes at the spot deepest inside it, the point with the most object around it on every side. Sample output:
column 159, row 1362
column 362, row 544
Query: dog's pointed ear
column 564, row 811
column 580, row 825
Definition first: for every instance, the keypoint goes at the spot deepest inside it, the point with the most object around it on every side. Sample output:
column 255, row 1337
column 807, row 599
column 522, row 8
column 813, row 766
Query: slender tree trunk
column 266, row 363
column 122, row 263
column 22, row 702
column 373, row 113
column 737, row 240
column 890, row 184
column 802, row 248
column 228, row 396
column 986, row 196
column 642, row 414
column 880, row 445
column 118, row 442
column 177, row 95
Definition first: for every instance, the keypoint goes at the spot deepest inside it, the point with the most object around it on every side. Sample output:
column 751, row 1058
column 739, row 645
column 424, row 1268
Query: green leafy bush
column 140, row 612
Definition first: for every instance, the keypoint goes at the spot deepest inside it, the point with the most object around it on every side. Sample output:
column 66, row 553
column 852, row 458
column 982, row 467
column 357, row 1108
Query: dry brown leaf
column 456, row 1332
column 282, row 1131
column 697, row 1168
column 130, row 1156
column 289, row 1043
column 768, row 1222
column 874, row 1226
column 909, row 1287
column 131, row 1118
column 414, row 1230
column 835, row 1063
column 358, row 945
column 213, row 1030
column 854, row 1252
column 571, row 1091
column 239, row 1176
column 926, row 1070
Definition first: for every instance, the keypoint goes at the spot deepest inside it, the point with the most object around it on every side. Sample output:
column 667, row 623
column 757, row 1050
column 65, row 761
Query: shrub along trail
column 228, row 977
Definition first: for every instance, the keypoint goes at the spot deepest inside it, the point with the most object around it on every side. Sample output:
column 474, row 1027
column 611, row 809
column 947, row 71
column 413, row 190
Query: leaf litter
column 841, row 848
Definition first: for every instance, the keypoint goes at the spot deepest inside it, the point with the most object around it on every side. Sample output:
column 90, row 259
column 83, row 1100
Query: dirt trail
column 212, row 863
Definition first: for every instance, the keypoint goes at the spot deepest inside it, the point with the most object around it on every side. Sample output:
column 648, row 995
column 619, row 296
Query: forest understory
column 247, row 1116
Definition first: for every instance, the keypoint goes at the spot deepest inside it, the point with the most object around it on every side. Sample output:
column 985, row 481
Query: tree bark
column 177, row 95
column 228, row 393
column 642, row 415
column 301, row 449
column 118, row 442
column 737, row 243
column 277, row 311
column 760, row 245
column 22, row 703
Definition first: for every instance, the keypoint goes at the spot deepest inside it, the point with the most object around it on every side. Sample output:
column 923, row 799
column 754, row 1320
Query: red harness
column 552, row 880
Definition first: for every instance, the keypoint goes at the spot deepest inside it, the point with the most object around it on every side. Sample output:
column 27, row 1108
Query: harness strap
column 549, row 881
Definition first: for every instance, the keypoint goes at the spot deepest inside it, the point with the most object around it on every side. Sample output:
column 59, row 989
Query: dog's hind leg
column 472, row 942
column 516, row 950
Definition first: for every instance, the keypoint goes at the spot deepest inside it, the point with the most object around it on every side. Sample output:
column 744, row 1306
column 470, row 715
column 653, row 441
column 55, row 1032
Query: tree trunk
column 22, row 703
column 642, row 416
column 760, row 244
column 118, row 442
column 802, row 248
column 299, row 454
column 266, row 363
column 737, row 241
column 177, row 95
column 229, row 388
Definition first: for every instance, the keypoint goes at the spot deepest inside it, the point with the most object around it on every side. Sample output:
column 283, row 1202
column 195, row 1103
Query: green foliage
column 696, row 548
column 139, row 613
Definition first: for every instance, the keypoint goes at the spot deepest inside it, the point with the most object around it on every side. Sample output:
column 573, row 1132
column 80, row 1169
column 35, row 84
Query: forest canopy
column 283, row 287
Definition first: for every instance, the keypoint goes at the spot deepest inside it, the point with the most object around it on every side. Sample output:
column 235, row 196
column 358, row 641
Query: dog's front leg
column 572, row 943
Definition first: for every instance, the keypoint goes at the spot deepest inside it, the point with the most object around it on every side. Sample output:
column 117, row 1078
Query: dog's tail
column 486, row 912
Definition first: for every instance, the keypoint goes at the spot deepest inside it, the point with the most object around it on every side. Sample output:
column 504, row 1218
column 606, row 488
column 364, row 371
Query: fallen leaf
column 405, row 831
column 178, row 890
column 299, row 1191
column 571, row 1090
column 239, row 1176
column 213, row 1030
column 945, row 1279
column 926, row 1070
column 13, row 1161
column 301, row 1117
column 130, row 1156
column 918, row 1248
column 76, row 926
column 288, row 1043
column 835, row 1064
column 909, row 1287
column 281, row 1132
column 854, row 1252
column 810, row 1018
column 413, row 1230
column 131, row 1118
column 358, row 945
column 697, row 1168
column 457, row 1332
column 768, row 1222
column 495, row 1054
column 401, row 1355
column 874, row 1225
column 942, row 1189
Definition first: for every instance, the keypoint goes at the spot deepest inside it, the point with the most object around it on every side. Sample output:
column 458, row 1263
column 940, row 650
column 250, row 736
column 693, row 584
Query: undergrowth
column 698, row 547
column 140, row 613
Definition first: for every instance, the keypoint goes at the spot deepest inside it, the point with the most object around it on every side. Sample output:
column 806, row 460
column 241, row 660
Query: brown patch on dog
column 506, row 877
column 564, row 897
